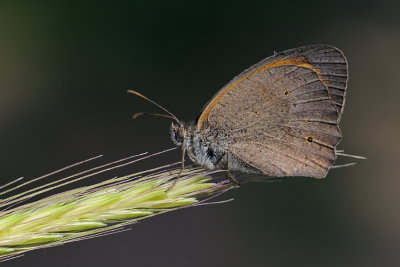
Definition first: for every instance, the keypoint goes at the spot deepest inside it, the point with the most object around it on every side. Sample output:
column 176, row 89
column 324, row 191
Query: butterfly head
column 179, row 133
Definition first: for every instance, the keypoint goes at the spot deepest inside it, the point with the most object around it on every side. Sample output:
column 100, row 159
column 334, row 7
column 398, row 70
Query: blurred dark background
column 64, row 70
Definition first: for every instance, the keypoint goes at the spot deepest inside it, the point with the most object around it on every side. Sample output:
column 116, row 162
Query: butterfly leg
column 228, row 172
column 180, row 172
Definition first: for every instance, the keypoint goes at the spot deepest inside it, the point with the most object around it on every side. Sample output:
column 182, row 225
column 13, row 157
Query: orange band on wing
column 292, row 61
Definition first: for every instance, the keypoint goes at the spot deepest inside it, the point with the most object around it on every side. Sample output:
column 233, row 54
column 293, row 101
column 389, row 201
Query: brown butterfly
column 277, row 118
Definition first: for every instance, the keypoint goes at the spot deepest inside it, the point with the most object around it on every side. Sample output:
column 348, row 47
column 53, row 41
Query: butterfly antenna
column 134, row 116
column 172, row 116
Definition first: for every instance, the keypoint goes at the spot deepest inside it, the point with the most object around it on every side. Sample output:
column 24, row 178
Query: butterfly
column 278, row 118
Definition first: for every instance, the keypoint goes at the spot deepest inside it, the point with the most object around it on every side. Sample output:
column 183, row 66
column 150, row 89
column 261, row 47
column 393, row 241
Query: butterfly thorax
column 198, row 145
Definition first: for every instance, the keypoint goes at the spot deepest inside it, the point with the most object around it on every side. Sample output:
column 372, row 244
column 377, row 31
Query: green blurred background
column 64, row 70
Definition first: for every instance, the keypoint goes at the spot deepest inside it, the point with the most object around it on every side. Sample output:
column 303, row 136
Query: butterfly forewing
column 328, row 63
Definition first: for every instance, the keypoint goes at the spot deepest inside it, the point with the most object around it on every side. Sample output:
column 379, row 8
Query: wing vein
column 290, row 156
